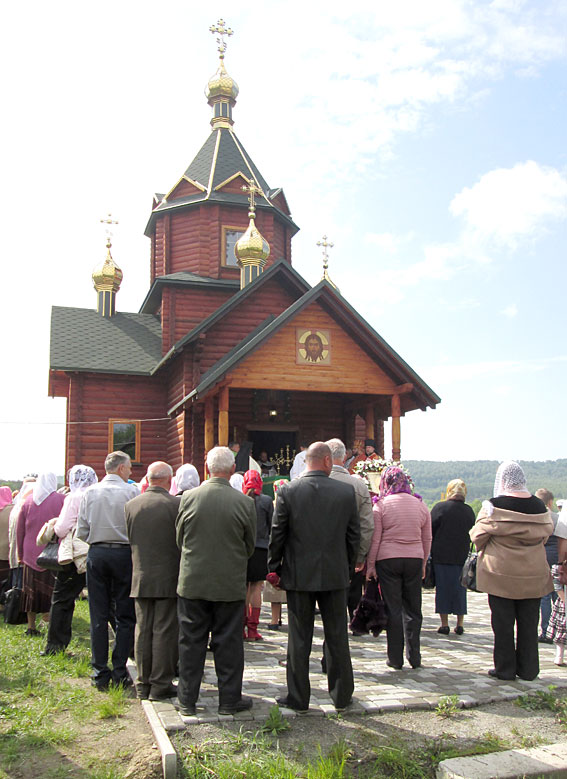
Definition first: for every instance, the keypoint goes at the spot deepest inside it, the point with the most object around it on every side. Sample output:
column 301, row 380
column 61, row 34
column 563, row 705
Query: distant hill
column 430, row 477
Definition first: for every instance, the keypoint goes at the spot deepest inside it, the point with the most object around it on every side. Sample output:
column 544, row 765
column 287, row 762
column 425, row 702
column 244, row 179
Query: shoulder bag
column 468, row 574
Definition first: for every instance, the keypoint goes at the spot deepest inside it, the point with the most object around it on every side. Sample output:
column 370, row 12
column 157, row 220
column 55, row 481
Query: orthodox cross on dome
column 108, row 222
column 221, row 30
column 253, row 189
column 326, row 244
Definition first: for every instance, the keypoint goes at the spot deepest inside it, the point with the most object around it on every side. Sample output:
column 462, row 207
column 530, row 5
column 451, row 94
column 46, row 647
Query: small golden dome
column 221, row 84
column 252, row 247
column 107, row 277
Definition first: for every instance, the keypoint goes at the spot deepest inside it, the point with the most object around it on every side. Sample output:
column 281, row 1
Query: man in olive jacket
column 313, row 548
column 216, row 532
column 150, row 525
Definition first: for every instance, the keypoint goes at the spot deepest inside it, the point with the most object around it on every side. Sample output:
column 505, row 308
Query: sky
column 426, row 140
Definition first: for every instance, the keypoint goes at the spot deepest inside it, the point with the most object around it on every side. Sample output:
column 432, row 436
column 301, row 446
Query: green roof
column 83, row 340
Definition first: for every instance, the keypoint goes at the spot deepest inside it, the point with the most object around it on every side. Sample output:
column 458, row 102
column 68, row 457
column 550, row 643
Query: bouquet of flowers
column 370, row 471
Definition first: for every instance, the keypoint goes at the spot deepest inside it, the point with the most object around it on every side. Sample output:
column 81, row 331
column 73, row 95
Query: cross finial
column 326, row 245
column 221, row 30
column 252, row 190
column 108, row 222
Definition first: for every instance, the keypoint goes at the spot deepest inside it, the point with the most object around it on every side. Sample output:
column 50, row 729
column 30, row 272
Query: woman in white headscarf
column 510, row 532
column 68, row 583
column 43, row 504
column 186, row 478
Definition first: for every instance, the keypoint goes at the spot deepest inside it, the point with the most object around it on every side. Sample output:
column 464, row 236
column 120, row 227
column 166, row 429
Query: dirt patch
column 420, row 732
column 121, row 747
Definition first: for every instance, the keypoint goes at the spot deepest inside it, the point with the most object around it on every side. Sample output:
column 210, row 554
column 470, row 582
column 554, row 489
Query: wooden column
column 396, row 433
column 223, row 416
column 369, row 417
column 209, row 425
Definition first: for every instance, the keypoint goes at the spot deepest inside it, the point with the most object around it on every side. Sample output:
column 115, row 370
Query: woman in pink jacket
column 42, row 505
column 398, row 553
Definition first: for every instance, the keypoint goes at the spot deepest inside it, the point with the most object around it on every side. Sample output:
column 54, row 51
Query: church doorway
column 280, row 446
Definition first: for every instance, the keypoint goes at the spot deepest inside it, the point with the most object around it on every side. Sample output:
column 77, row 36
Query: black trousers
column 515, row 655
column 301, row 615
column 223, row 620
column 400, row 582
column 156, row 642
column 68, row 586
column 109, row 580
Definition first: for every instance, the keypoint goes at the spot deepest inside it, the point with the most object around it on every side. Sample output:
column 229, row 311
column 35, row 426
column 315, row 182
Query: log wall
column 98, row 398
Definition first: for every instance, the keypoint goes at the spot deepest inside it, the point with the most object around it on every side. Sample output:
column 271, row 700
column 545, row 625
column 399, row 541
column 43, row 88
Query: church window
column 124, row 436
column 230, row 236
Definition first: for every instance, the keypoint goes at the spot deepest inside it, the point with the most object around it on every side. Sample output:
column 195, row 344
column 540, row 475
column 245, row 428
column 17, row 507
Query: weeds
column 448, row 706
column 275, row 723
column 546, row 700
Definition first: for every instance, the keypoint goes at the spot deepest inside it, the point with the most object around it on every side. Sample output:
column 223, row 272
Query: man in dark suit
column 150, row 524
column 313, row 548
column 216, row 532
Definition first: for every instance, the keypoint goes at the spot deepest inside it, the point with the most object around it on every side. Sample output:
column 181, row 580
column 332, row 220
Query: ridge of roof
column 221, row 157
column 216, row 371
column 280, row 266
column 228, row 355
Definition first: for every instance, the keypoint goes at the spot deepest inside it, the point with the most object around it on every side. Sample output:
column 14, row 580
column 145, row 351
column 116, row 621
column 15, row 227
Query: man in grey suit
column 216, row 532
column 365, row 516
column 313, row 548
column 150, row 524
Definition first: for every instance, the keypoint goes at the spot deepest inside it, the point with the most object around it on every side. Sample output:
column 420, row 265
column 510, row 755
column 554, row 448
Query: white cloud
column 509, row 204
column 510, row 311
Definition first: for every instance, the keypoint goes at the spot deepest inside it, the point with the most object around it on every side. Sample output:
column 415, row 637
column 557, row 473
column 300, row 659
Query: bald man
column 150, row 524
column 313, row 549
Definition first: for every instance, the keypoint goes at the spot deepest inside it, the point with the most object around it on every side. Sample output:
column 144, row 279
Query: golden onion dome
column 252, row 247
column 107, row 277
column 221, row 84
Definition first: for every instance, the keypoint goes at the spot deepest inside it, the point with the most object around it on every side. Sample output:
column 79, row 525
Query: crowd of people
column 177, row 567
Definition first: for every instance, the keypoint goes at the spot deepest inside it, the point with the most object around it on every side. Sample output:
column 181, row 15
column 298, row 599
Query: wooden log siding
column 224, row 335
column 351, row 369
column 192, row 241
column 194, row 305
column 175, row 381
column 105, row 397
column 175, row 441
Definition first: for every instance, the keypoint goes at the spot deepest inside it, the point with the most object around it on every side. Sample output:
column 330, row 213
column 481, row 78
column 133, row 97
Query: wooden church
column 230, row 343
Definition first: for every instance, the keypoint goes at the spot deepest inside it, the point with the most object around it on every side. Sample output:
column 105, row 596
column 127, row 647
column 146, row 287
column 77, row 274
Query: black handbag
column 468, row 574
column 12, row 613
column 48, row 559
column 429, row 578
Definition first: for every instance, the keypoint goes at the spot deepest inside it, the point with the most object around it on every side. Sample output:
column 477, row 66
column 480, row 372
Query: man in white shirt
column 299, row 461
column 102, row 524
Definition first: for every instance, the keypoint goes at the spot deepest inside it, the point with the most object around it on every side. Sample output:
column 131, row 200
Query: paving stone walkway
column 451, row 665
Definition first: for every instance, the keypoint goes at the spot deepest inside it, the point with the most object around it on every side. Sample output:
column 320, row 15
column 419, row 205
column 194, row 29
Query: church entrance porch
column 281, row 446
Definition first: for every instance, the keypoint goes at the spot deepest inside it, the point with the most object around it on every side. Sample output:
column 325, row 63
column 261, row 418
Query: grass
column 275, row 723
column 255, row 755
column 45, row 701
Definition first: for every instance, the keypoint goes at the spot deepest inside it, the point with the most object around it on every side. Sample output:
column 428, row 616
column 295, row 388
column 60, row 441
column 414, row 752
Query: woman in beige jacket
column 510, row 532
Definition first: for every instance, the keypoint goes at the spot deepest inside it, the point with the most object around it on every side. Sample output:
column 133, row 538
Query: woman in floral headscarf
column 510, row 532
column 68, row 583
column 398, row 553
column 43, row 504
column 258, row 563
column 451, row 520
